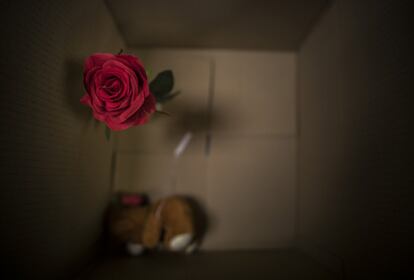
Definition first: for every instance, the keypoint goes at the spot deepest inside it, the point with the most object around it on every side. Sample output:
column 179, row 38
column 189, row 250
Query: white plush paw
column 180, row 242
column 134, row 249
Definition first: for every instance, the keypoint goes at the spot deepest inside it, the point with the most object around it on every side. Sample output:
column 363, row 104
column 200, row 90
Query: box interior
column 299, row 153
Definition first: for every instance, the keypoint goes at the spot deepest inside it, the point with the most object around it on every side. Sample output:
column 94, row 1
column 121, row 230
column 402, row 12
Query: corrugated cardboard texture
column 241, row 162
column 285, row 264
column 355, row 163
column 55, row 160
column 235, row 24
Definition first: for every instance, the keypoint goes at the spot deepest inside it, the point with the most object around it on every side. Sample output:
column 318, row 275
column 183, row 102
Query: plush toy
column 167, row 224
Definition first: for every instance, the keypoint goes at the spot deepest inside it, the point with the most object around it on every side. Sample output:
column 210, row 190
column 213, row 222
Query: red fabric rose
column 117, row 90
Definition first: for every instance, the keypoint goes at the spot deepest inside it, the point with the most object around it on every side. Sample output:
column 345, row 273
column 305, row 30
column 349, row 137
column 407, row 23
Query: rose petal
column 117, row 90
column 132, row 61
column 136, row 64
column 140, row 117
column 97, row 60
column 144, row 112
column 85, row 99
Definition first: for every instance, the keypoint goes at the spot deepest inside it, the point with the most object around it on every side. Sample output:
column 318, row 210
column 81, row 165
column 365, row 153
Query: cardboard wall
column 283, row 264
column 231, row 24
column 55, row 160
column 355, row 171
column 241, row 163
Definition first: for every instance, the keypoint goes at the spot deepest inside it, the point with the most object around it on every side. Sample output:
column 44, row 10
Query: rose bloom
column 117, row 90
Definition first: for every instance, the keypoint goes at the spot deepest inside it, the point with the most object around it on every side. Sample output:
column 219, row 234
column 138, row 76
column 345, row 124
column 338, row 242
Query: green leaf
column 162, row 84
column 107, row 133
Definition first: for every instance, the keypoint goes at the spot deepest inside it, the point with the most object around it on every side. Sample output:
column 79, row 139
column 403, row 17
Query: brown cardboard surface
column 161, row 175
column 55, row 159
column 355, row 152
column 283, row 264
column 251, row 192
column 276, row 24
column 244, row 172
column 255, row 92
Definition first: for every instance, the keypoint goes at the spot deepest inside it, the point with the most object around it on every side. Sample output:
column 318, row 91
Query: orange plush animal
column 167, row 224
